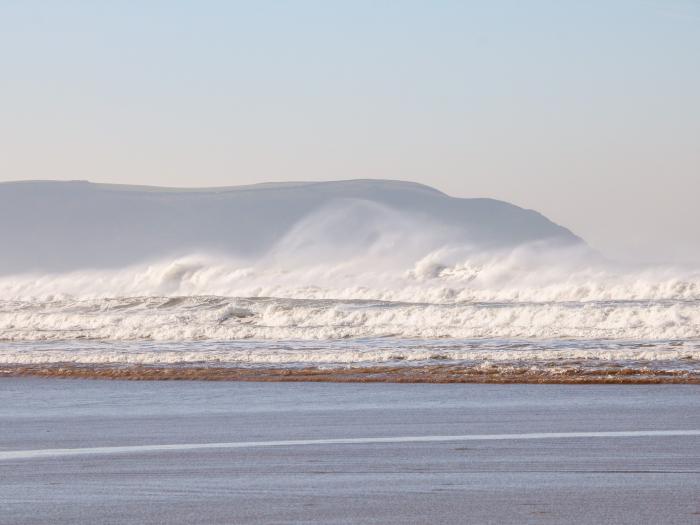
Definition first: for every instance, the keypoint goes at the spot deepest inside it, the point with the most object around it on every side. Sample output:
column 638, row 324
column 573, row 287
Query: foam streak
column 139, row 449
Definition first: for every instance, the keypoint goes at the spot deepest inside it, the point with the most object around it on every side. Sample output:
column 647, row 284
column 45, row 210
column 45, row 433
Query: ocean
column 516, row 316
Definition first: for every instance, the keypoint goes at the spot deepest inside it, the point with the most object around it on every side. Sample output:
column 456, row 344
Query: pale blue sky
column 587, row 111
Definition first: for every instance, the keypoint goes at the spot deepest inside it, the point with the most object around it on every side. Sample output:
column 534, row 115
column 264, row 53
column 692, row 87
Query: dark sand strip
column 375, row 374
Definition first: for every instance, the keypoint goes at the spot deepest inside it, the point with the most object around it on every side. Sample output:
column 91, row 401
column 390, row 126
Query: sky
column 587, row 111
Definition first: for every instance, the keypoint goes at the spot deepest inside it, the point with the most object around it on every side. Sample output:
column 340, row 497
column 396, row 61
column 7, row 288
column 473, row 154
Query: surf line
column 6, row 455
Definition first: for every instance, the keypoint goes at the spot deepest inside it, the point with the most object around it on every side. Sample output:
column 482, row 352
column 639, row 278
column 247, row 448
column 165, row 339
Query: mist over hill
column 62, row 226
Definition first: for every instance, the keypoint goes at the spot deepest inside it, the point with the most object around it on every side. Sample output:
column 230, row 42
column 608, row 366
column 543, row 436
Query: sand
column 644, row 477
column 367, row 374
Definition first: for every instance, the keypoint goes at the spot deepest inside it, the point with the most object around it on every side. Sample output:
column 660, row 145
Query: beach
column 357, row 263
column 246, row 452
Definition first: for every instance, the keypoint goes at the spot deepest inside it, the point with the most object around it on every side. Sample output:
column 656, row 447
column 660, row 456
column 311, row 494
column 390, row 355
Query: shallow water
column 648, row 475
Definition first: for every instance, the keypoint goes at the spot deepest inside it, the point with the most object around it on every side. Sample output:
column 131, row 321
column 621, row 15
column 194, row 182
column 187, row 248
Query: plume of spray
column 362, row 250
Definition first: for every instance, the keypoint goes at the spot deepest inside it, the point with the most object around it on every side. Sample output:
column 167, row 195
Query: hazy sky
column 588, row 111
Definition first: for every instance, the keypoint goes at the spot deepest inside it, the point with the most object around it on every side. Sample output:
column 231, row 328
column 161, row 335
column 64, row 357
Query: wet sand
column 403, row 453
column 567, row 373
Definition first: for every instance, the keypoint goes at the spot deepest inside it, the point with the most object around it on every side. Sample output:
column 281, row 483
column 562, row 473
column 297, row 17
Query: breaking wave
column 359, row 284
column 221, row 318
column 448, row 293
column 450, row 275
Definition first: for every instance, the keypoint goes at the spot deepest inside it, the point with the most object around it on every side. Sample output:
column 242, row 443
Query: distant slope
column 57, row 226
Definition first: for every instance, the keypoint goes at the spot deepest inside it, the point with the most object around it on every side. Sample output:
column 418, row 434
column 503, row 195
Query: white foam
column 384, row 271
column 211, row 318
column 352, row 352
column 452, row 292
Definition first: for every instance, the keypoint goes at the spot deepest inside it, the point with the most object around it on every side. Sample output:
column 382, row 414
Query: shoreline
column 438, row 374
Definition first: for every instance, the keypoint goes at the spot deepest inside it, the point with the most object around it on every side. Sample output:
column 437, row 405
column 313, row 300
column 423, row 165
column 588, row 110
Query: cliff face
column 58, row 226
